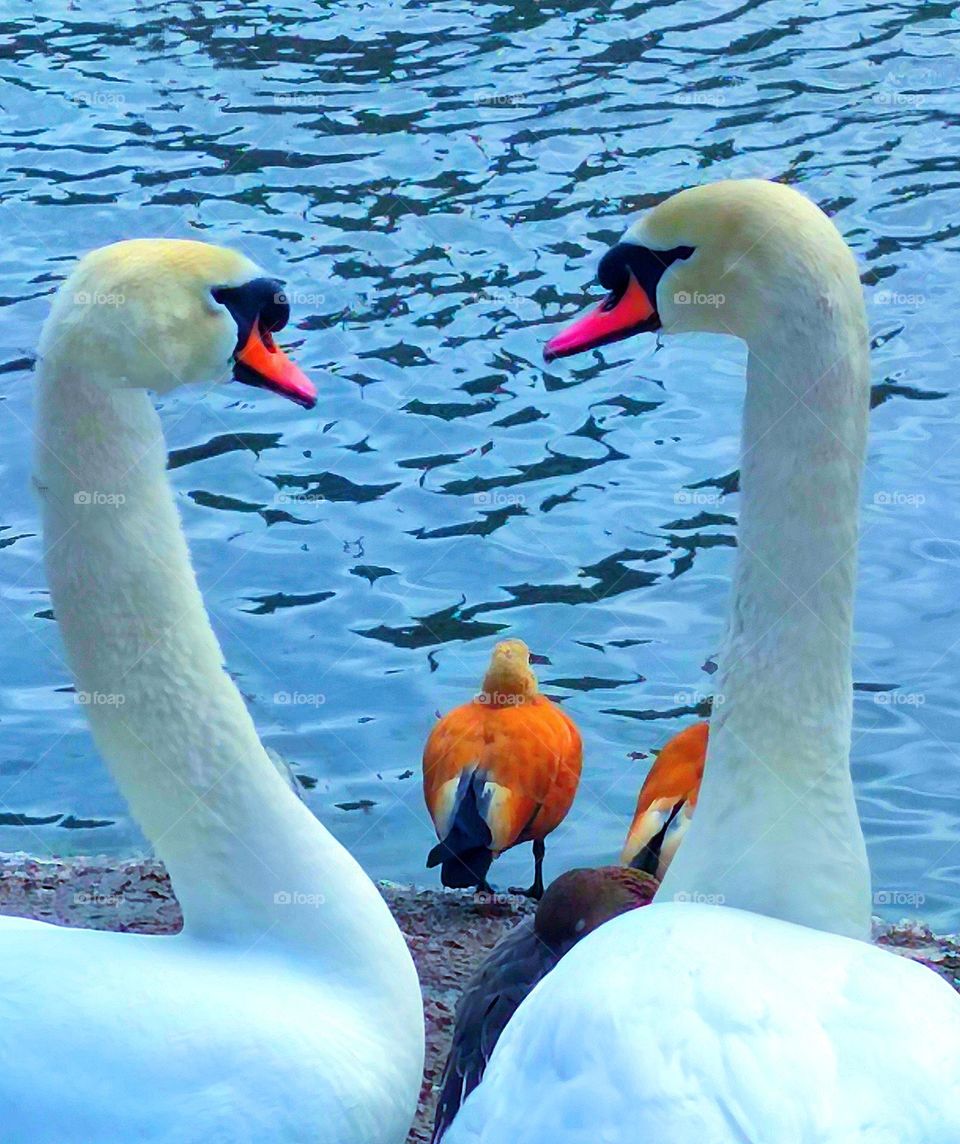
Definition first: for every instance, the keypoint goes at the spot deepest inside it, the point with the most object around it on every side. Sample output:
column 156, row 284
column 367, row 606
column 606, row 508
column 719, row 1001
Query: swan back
column 687, row 1022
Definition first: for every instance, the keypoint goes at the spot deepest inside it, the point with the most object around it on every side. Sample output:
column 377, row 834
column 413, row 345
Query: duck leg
column 536, row 890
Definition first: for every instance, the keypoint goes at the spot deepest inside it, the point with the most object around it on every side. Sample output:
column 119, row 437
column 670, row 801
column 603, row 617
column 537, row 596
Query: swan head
column 739, row 257
column 509, row 674
column 155, row 313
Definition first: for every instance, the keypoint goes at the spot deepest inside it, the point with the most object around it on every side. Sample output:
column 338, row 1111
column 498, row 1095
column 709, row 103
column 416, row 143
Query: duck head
column 735, row 257
column 581, row 900
column 158, row 313
column 509, row 675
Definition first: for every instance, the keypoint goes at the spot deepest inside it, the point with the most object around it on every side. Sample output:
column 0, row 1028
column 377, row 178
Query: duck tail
column 464, row 856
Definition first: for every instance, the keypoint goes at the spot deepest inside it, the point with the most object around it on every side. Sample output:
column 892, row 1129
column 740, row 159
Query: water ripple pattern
column 436, row 181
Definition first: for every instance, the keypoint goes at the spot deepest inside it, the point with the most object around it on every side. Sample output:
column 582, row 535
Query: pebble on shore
column 448, row 932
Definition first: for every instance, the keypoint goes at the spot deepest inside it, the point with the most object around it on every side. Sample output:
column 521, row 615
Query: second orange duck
column 498, row 771
column 667, row 801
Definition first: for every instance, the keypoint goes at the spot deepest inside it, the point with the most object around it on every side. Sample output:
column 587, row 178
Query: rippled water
column 436, row 182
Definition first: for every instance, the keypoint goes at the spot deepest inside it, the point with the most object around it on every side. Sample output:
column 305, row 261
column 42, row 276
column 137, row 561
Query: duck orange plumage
column 667, row 801
column 500, row 770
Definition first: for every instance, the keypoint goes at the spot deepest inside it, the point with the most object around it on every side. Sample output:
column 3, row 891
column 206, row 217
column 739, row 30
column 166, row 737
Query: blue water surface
column 436, row 181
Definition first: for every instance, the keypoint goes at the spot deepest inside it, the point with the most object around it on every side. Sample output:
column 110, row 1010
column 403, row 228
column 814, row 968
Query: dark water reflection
column 436, row 182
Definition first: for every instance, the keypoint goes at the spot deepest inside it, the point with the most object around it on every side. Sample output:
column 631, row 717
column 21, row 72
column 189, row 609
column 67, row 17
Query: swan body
column 288, row 1009
column 682, row 1023
column 119, row 1037
column 745, row 1004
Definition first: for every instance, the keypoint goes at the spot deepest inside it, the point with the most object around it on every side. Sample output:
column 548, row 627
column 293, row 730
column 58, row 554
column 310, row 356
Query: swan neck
column 248, row 861
column 777, row 829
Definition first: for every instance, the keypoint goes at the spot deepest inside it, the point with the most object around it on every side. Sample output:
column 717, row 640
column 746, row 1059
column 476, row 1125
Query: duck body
column 499, row 771
column 172, row 1040
column 666, row 802
column 728, row 1027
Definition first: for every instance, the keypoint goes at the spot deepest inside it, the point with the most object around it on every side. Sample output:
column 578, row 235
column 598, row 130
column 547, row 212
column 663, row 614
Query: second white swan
column 742, row 1005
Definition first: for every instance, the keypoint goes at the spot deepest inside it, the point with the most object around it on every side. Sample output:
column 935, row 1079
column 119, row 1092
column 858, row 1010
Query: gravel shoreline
column 448, row 932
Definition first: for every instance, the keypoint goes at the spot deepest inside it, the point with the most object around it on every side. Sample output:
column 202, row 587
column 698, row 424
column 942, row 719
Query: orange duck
column 666, row 803
column 498, row 771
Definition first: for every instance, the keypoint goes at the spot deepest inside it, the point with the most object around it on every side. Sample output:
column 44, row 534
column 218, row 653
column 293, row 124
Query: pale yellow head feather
column 764, row 254
column 140, row 314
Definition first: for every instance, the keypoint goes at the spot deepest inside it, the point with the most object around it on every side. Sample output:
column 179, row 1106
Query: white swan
column 289, row 1007
column 691, row 1021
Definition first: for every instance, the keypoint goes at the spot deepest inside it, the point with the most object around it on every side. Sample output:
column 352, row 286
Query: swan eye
column 275, row 313
column 261, row 301
column 647, row 267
